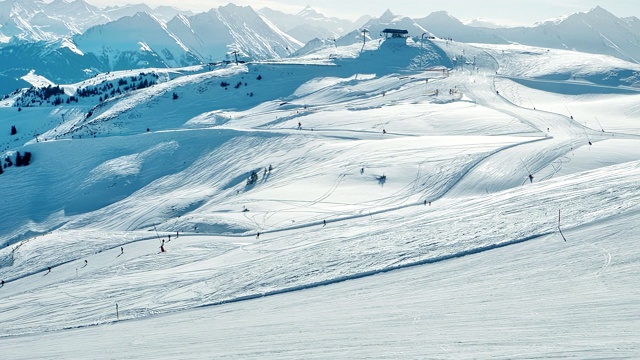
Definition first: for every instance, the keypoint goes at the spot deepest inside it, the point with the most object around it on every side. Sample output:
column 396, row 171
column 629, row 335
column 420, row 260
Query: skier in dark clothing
column 121, row 250
column 48, row 268
column 324, row 223
column 531, row 178
column 258, row 235
column 2, row 284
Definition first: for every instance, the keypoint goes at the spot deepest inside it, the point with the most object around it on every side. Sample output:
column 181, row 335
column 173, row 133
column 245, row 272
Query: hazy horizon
column 525, row 12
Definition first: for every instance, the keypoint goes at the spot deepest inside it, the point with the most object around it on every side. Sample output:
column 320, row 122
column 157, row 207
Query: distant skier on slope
column 2, row 284
column 531, row 178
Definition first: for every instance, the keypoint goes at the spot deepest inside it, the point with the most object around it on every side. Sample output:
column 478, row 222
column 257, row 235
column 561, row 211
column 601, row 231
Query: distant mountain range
column 70, row 41
column 596, row 31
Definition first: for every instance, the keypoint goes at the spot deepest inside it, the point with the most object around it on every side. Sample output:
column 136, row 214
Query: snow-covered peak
column 387, row 17
column 132, row 36
column 484, row 23
column 308, row 12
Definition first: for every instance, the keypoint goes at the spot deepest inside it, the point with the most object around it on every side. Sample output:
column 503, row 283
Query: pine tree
column 26, row 158
column 18, row 159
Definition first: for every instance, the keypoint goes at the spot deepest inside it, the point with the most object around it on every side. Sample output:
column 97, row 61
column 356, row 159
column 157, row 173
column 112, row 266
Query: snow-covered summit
column 140, row 40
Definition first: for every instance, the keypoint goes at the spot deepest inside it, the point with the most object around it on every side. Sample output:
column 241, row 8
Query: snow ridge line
column 364, row 274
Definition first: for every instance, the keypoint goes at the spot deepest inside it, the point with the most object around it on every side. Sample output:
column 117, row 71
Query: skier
column 270, row 168
column 324, row 223
column 384, row 131
column 48, row 268
column 425, row 202
column 169, row 238
column 121, row 250
column 531, row 178
column 361, row 171
column 86, row 262
column 2, row 284
column 162, row 248
column 299, row 125
column 258, row 235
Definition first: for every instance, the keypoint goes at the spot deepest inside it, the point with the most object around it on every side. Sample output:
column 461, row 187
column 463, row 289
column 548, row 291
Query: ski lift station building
column 395, row 33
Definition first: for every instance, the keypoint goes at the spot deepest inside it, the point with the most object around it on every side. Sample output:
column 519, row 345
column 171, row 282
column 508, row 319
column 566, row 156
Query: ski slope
column 437, row 242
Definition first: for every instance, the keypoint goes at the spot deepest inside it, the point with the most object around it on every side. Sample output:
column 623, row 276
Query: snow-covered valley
column 412, row 200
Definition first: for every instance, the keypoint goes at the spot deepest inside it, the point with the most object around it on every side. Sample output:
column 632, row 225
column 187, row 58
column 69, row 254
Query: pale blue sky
column 512, row 12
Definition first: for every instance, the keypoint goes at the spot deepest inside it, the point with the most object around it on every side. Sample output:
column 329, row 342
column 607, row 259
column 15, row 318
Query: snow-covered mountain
column 137, row 41
column 483, row 23
column 214, row 35
column 35, row 20
column 308, row 24
column 444, row 25
column 58, row 60
column 596, row 31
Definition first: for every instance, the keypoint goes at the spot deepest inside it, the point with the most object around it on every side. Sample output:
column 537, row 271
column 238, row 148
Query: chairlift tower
column 364, row 38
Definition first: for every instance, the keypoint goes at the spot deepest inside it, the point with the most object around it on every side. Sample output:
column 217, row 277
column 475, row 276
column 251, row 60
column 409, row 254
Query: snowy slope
column 440, row 169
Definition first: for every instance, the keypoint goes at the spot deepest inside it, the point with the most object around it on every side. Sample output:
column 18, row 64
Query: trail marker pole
column 117, row 312
column 601, row 128
column 560, row 230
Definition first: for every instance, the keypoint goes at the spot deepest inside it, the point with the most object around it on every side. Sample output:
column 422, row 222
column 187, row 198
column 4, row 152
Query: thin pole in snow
column 570, row 114
column 156, row 230
column 587, row 135
column 560, row 230
column 117, row 312
column 601, row 128
column 525, row 166
column 558, row 217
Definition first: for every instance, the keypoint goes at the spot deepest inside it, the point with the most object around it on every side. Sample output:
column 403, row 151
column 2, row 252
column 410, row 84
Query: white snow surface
column 437, row 242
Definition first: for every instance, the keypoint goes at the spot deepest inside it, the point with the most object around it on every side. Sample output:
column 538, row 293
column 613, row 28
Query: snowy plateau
column 361, row 198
